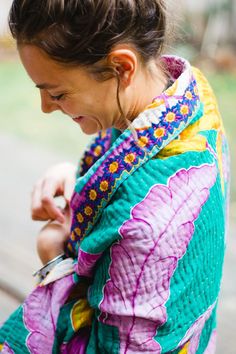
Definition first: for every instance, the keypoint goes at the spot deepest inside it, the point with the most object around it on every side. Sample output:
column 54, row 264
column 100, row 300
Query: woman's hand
column 59, row 180
column 52, row 238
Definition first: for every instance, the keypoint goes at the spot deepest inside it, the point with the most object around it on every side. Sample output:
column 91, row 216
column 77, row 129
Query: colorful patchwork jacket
column 147, row 237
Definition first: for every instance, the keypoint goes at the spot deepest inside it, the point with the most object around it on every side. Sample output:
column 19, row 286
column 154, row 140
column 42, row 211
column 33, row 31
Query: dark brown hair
column 84, row 31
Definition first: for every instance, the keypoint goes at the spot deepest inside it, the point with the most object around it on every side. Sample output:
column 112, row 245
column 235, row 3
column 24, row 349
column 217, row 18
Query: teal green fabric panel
column 174, row 330
column 64, row 331
column 105, row 232
column 101, row 275
column 92, row 347
column 14, row 333
column 108, row 339
column 103, row 338
column 196, row 282
column 115, row 135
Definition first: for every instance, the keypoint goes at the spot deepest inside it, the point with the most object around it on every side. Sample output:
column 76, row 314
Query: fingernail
column 60, row 219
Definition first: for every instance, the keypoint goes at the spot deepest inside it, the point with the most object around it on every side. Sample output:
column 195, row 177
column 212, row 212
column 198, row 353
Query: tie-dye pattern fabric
column 149, row 220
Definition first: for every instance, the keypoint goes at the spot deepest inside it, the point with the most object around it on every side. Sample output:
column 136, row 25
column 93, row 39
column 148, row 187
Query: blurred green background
column 21, row 114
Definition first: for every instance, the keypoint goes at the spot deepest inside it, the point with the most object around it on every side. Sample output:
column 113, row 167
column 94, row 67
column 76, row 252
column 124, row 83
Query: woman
column 145, row 252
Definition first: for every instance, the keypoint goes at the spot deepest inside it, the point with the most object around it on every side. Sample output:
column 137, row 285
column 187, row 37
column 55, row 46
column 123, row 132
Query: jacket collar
column 160, row 123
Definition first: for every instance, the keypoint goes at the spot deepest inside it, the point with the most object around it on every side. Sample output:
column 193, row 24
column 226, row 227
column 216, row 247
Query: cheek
column 72, row 107
column 100, row 101
column 105, row 94
column 107, row 102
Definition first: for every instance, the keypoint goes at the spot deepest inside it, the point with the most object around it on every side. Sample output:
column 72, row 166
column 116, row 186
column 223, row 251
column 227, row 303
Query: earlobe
column 124, row 62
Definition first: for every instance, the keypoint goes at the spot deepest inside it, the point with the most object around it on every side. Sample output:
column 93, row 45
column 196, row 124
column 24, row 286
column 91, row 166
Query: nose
column 47, row 105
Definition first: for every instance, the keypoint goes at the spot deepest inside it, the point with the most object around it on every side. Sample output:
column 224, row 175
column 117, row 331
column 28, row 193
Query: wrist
column 46, row 269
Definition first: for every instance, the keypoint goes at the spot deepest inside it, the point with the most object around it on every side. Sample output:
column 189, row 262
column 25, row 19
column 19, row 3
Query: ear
column 125, row 63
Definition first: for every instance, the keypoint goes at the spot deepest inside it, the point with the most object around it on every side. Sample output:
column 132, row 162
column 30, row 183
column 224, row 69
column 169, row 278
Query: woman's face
column 73, row 90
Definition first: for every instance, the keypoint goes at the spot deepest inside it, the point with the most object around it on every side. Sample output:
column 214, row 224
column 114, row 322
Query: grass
column 21, row 115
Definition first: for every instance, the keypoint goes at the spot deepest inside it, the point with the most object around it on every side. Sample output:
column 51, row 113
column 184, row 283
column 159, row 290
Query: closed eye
column 57, row 98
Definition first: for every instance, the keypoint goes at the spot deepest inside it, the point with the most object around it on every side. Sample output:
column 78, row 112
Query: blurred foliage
column 223, row 5
column 206, row 29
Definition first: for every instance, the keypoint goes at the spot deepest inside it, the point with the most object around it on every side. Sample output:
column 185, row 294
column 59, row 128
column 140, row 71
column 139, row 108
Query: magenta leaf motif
column 194, row 332
column 144, row 260
column 6, row 349
column 86, row 262
column 211, row 348
column 78, row 343
column 41, row 311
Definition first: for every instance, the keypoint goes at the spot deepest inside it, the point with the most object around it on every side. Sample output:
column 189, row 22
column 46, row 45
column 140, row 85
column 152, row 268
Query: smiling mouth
column 77, row 119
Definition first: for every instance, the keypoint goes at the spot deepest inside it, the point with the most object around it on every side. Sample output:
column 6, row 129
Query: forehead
column 42, row 69
column 34, row 57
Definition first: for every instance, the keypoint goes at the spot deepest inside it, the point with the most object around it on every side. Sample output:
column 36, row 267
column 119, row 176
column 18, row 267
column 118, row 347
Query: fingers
column 58, row 180
column 68, row 218
column 37, row 210
column 49, row 191
column 43, row 206
column 68, row 189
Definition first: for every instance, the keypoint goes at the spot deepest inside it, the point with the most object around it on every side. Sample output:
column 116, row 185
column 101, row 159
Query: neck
column 147, row 85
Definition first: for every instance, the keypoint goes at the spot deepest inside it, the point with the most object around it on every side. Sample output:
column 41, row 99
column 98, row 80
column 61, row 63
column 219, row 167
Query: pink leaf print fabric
column 153, row 240
column 211, row 348
column 86, row 262
column 6, row 349
column 194, row 332
column 78, row 344
column 41, row 311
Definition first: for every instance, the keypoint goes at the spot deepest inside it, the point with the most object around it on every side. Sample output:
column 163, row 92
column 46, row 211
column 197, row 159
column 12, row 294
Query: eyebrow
column 46, row 86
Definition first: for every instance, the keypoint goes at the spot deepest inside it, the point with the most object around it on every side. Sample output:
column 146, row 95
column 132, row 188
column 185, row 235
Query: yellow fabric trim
column 190, row 139
column 156, row 103
column 211, row 110
column 185, row 349
column 81, row 314
column 207, row 96
column 171, row 91
column 177, row 147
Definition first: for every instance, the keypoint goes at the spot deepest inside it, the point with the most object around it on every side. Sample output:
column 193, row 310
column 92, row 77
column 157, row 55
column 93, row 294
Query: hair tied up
column 84, row 31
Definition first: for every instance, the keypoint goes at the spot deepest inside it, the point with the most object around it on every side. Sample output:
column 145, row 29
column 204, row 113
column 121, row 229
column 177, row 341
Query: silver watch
column 46, row 269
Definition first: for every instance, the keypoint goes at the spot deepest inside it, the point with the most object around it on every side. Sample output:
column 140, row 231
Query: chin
column 90, row 130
